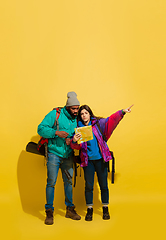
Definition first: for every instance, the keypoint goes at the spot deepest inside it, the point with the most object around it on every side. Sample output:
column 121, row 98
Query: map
column 86, row 133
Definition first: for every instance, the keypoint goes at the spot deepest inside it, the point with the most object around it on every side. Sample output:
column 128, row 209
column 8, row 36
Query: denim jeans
column 101, row 169
column 54, row 163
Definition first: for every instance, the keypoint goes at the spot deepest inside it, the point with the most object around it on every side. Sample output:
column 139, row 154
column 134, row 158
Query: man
column 60, row 155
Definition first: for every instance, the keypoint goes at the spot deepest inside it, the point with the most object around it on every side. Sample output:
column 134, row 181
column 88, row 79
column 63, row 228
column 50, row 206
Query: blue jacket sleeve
column 45, row 128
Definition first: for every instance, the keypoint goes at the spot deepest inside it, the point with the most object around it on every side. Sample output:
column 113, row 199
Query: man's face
column 73, row 110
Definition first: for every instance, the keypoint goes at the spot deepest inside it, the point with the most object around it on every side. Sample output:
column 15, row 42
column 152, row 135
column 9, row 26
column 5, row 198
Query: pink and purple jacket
column 107, row 126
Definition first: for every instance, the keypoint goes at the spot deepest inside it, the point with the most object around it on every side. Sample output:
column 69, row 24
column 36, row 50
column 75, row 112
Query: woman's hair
column 87, row 108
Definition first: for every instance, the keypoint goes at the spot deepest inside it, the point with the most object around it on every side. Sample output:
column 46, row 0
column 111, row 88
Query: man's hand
column 68, row 140
column 128, row 110
column 61, row 134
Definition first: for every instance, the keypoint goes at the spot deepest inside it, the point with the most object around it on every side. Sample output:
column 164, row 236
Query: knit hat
column 72, row 99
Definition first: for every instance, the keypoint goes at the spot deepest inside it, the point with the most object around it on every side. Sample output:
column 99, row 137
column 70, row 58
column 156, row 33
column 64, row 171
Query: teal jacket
column 47, row 129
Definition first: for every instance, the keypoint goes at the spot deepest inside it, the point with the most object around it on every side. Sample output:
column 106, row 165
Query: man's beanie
column 72, row 99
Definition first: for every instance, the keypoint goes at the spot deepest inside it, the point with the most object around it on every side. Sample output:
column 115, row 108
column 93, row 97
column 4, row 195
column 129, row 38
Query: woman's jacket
column 107, row 126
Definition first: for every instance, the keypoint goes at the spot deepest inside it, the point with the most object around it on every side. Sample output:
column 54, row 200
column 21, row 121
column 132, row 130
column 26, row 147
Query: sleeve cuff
column 123, row 112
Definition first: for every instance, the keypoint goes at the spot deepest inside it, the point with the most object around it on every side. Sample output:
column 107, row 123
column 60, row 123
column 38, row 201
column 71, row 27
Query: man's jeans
column 102, row 171
column 54, row 163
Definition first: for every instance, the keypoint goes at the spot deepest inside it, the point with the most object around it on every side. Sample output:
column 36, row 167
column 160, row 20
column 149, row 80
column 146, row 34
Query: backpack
column 40, row 148
column 43, row 142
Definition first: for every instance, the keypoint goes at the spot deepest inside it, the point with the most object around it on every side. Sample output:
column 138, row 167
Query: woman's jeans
column 54, row 163
column 102, row 171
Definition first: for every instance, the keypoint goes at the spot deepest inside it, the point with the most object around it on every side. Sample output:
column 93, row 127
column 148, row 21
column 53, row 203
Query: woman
column 95, row 154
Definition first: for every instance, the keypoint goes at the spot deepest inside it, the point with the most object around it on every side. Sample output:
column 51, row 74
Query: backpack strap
column 58, row 111
column 42, row 145
column 98, row 125
column 113, row 166
column 75, row 172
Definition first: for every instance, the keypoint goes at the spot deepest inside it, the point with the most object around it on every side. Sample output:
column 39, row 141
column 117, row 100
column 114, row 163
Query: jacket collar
column 68, row 114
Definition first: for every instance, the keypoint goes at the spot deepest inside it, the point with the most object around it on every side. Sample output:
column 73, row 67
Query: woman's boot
column 89, row 214
column 106, row 215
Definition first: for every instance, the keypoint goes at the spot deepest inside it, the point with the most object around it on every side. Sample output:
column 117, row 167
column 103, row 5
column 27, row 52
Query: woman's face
column 85, row 116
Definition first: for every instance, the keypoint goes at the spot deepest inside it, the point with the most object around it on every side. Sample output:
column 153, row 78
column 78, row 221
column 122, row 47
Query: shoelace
column 74, row 211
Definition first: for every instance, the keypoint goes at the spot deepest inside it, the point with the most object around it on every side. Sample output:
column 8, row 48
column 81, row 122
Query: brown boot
column 49, row 217
column 71, row 213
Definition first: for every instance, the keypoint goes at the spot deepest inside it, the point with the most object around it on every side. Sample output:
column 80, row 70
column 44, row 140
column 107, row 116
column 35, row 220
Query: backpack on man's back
column 41, row 147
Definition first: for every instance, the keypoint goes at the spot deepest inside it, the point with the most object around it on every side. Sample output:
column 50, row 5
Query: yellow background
column 112, row 54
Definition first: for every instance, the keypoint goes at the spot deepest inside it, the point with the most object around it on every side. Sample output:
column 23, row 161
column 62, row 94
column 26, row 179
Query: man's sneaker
column 106, row 215
column 89, row 214
column 49, row 217
column 71, row 213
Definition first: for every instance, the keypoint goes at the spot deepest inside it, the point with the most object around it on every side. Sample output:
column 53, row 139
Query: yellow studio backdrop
column 112, row 54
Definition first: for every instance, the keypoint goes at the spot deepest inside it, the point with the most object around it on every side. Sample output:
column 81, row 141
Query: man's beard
column 73, row 115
